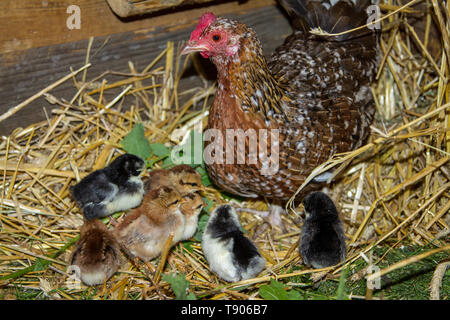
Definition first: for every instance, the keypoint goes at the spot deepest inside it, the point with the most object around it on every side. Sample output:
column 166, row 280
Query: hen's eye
column 216, row 37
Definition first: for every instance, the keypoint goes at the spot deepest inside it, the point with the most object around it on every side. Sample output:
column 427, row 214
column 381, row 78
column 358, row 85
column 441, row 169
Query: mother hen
column 313, row 94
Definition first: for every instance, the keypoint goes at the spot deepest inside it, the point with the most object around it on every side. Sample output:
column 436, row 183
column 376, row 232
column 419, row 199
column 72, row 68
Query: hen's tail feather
column 332, row 16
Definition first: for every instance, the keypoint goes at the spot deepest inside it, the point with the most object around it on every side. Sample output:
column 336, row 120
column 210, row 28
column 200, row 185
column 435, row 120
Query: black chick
column 322, row 242
column 114, row 188
column 96, row 254
column 230, row 255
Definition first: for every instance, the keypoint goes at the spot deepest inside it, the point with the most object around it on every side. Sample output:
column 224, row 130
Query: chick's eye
column 216, row 37
column 174, row 203
column 192, row 184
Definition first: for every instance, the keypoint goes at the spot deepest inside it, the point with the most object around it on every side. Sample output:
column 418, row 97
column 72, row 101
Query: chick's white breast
column 219, row 255
column 93, row 278
column 123, row 200
column 179, row 228
column 190, row 227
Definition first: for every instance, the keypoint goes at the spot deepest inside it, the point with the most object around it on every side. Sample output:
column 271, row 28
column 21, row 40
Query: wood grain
column 37, row 68
column 26, row 24
column 128, row 8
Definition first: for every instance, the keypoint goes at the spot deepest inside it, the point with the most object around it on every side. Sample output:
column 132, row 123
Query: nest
column 393, row 191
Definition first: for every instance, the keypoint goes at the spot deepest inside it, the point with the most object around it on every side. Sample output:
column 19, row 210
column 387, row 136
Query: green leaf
column 159, row 149
column 205, row 178
column 206, row 181
column 188, row 245
column 277, row 291
column 274, row 291
column 209, row 205
column 179, row 286
column 295, row 295
column 202, row 221
column 167, row 162
column 136, row 143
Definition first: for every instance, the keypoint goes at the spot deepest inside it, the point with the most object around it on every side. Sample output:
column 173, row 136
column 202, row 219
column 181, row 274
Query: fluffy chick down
column 322, row 241
column 145, row 230
column 182, row 178
column 231, row 255
column 97, row 253
column 191, row 209
column 114, row 188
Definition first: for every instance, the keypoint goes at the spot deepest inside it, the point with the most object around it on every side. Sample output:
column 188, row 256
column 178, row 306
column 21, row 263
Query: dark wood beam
column 36, row 68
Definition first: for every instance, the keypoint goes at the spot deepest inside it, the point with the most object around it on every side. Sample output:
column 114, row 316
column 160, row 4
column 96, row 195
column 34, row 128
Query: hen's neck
column 248, row 78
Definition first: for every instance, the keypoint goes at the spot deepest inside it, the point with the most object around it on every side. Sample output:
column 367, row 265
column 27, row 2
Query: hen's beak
column 193, row 47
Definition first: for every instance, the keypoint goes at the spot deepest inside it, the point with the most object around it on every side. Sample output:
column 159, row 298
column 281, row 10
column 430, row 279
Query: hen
column 315, row 90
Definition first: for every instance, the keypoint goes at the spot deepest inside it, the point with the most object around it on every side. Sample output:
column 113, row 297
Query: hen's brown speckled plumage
column 315, row 90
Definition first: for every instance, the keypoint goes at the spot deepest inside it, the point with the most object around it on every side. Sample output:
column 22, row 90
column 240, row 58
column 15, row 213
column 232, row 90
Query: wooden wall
column 37, row 48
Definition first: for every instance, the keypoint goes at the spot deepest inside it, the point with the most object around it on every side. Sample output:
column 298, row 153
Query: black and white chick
column 231, row 255
column 322, row 242
column 114, row 188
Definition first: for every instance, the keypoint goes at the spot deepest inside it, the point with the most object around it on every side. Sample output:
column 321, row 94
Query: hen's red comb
column 206, row 19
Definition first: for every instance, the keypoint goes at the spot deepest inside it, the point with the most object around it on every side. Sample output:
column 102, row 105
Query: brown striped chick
column 191, row 210
column 96, row 254
column 145, row 230
column 183, row 178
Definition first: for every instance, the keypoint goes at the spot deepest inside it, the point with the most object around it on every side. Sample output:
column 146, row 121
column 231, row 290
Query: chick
column 191, row 210
column 187, row 181
column 230, row 255
column 183, row 178
column 96, row 254
column 114, row 188
column 145, row 230
column 322, row 242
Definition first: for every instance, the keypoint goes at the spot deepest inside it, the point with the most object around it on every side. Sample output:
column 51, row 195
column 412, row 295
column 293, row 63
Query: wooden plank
column 26, row 24
column 39, row 67
column 128, row 8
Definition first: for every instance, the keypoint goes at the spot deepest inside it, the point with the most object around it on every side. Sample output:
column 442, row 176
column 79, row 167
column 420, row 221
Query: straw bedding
column 391, row 192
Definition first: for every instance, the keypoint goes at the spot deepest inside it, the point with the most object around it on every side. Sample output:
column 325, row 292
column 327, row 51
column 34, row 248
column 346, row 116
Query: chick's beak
column 192, row 46
column 200, row 190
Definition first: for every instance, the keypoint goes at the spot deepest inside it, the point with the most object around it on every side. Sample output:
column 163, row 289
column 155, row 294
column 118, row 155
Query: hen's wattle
column 314, row 90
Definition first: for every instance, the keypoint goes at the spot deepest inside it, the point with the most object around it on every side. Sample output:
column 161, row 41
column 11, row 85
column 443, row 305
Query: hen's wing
column 328, row 78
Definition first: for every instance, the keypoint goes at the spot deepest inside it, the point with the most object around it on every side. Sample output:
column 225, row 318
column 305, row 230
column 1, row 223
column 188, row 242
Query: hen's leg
column 273, row 215
column 113, row 221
